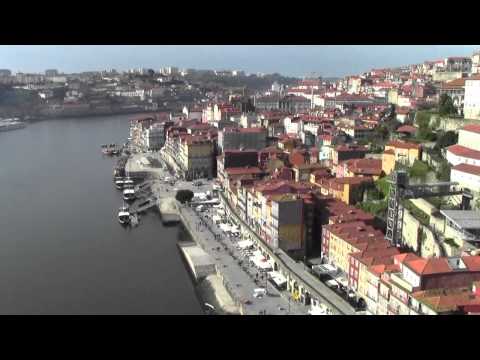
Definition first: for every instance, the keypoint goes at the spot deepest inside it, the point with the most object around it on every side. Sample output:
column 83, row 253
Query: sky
column 290, row 60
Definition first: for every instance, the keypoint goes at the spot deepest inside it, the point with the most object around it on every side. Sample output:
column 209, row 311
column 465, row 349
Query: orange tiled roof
column 403, row 144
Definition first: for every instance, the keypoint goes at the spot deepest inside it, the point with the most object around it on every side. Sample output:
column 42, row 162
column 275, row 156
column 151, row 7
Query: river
column 62, row 250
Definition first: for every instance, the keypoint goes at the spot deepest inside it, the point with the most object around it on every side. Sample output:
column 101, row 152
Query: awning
column 245, row 244
column 277, row 278
column 342, row 281
column 225, row 227
column 260, row 261
column 331, row 282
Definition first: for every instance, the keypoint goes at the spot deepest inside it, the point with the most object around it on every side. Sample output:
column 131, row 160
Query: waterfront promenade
column 239, row 277
column 297, row 271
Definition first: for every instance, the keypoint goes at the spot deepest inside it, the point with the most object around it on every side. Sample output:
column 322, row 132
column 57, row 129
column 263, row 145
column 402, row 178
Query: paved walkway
column 240, row 277
column 298, row 269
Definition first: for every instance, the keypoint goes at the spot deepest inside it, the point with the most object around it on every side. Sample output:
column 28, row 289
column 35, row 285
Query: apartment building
column 399, row 151
column 339, row 241
column 242, row 138
column 471, row 108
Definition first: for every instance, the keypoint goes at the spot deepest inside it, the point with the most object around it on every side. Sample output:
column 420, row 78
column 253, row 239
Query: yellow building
column 399, row 151
column 362, row 280
column 345, row 239
column 393, row 96
column 196, row 156
column 347, row 189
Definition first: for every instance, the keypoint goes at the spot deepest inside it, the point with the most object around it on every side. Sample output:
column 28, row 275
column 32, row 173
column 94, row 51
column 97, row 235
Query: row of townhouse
column 391, row 283
column 191, row 152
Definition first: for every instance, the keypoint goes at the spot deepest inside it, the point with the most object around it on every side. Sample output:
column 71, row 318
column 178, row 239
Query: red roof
column 401, row 258
column 472, row 128
column 380, row 269
column 472, row 262
column 409, row 129
column 243, row 170
column 463, row 151
column 457, row 83
column 351, row 148
column 466, row 168
column 403, row 145
column 402, row 111
column 441, row 265
column 364, row 166
column 429, row 266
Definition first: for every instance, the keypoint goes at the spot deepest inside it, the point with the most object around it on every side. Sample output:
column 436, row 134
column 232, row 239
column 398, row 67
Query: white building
column 292, row 126
column 169, row 70
column 458, row 154
column 467, row 176
column 469, row 136
column 476, row 63
column 471, row 108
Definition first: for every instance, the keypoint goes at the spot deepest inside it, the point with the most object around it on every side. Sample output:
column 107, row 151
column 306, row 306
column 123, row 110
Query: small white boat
column 119, row 184
column 128, row 182
column 129, row 194
column 124, row 215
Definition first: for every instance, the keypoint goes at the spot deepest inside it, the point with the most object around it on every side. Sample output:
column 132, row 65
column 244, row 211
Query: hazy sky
column 295, row 60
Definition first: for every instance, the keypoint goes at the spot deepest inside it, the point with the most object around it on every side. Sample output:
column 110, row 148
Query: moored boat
column 119, row 183
column 129, row 194
column 124, row 215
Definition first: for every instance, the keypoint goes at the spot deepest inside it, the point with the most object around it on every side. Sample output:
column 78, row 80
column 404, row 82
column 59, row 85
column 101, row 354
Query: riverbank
column 86, row 115
column 206, row 276
column 208, row 282
column 212, row 291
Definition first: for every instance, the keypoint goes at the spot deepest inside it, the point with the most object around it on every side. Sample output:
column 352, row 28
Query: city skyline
column 288, row 60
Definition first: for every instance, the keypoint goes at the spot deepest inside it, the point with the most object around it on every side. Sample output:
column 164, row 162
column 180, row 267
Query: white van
column 259, row 292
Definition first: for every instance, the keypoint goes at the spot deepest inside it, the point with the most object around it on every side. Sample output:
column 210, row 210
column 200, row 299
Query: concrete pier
column 169, row 210
column 201, row 264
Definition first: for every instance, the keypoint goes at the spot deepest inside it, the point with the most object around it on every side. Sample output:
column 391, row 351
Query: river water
column 62, row 250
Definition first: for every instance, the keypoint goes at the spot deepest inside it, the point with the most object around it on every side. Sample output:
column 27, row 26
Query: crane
column 401, row 189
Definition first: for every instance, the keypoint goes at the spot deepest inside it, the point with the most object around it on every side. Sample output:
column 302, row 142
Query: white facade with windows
column 465, row 179
column 471, row 109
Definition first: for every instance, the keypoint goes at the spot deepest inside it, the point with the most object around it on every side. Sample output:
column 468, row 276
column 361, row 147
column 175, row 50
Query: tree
column 443, row 173
column 184, row 196
column 446, row 139
column 445, row 105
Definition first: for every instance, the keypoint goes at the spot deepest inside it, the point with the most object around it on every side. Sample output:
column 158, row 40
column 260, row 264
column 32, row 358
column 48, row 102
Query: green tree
column 424, row 132
column 446, row 139
column 443, row 172
column 184, row 196
column 445, row 105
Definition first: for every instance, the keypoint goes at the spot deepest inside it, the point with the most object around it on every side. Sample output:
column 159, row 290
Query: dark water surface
column 62, row 250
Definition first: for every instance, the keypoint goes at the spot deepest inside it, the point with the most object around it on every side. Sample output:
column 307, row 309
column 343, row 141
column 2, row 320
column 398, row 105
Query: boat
column 119, row 183
column 128, row 182
column 124, row 215
column 129, row 194
column 11, row 124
